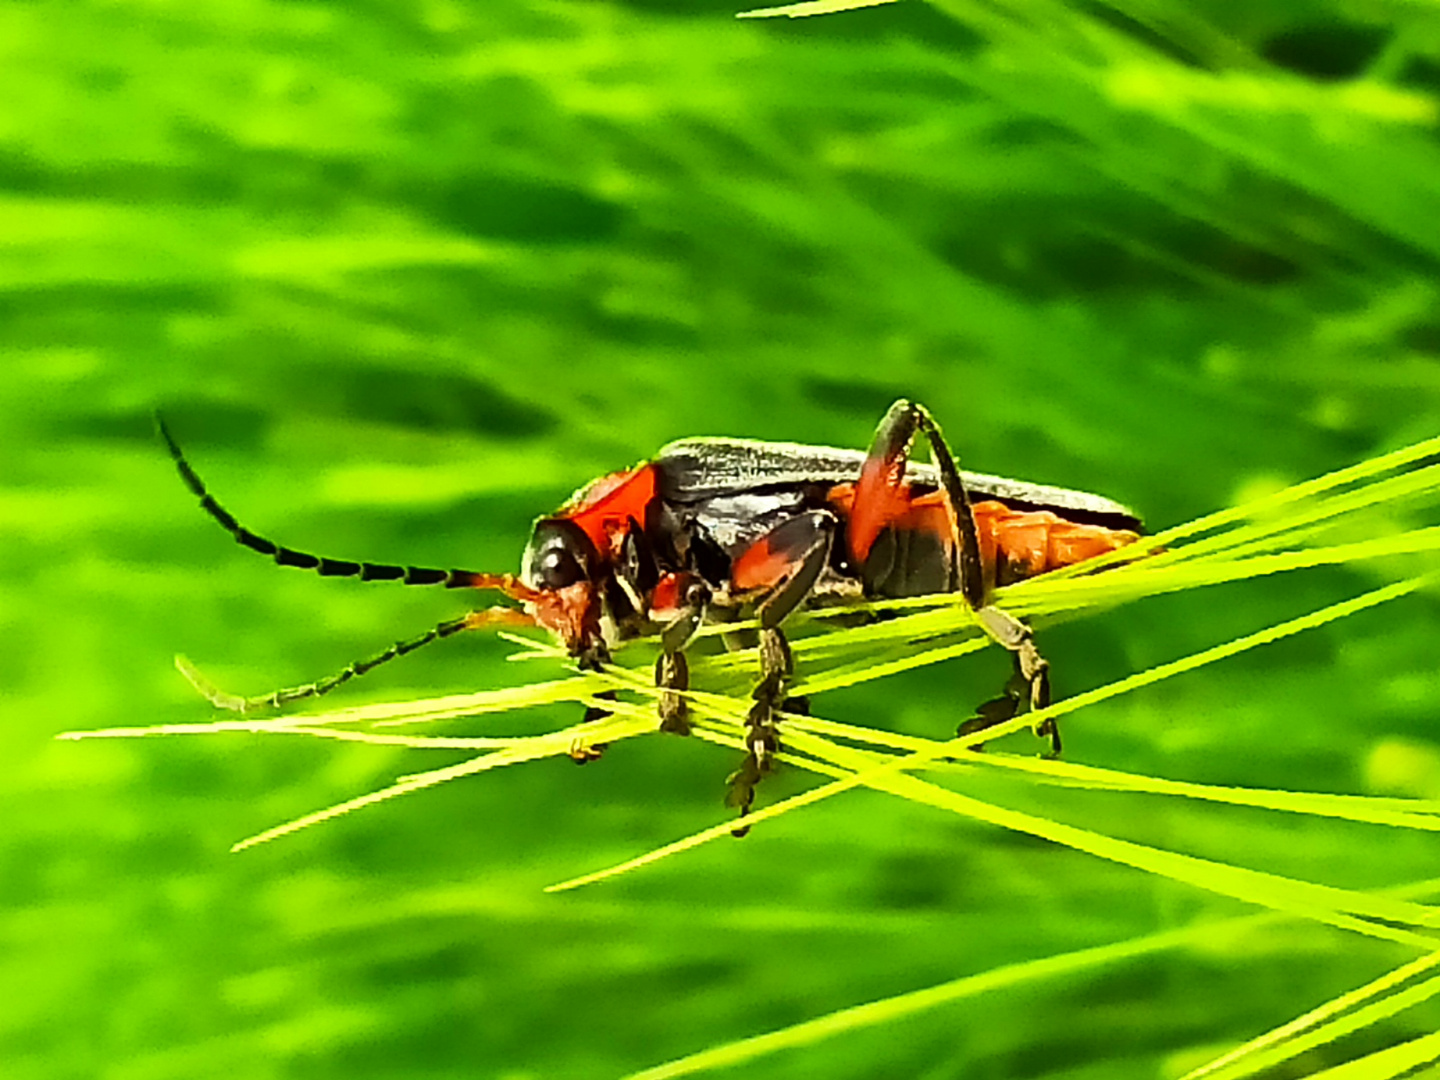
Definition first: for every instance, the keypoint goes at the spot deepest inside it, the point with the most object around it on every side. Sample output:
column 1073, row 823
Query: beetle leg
column 672, row 676
column 636, row 574
column 789, row 560
column 881, row 497
column 582, row 752
column 762, row 735
column 1032, row 674
column 594, row 658
column 672, row 673
column 1007, row 706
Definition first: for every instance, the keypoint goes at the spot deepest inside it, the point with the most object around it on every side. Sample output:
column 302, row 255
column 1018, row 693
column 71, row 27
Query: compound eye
column 558, row 568
column 558, row 555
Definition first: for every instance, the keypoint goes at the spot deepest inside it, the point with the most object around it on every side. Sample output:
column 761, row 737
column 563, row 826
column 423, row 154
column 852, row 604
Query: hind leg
column 883, row 499
column 1028, row 688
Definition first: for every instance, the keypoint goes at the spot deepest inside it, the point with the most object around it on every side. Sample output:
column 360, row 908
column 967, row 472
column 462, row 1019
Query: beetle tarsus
column 762, row 743
column 762, row 733
column 672, row 676
column 672, row 672
column 1050, row 728
column 582, row 752
column 1028, row 690
column 988, row 714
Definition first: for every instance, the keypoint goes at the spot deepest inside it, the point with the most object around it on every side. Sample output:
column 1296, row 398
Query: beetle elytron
column 713, row 524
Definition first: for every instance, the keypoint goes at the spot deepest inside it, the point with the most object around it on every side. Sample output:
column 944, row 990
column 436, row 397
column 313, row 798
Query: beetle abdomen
column 1020, row 544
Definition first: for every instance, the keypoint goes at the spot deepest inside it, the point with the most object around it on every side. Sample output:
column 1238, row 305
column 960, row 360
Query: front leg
column 786, row 562
column 672, row 672
column 582, row 752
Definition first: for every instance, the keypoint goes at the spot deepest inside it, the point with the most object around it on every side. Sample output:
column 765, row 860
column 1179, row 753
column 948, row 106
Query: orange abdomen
column 1019, row 544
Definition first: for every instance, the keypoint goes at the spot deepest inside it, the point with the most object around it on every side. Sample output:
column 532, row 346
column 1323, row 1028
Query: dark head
column 573, row 554
column 558, row 556
column 560, row 564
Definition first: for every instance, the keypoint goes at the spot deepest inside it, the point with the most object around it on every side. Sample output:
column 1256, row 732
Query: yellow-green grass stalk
column 1304, row 1033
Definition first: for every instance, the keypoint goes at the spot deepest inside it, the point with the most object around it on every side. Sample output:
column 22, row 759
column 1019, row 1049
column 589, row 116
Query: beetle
column 713, row 526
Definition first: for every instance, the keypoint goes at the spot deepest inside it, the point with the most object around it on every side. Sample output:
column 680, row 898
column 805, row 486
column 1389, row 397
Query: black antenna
column 365, row 571
column 476, row 620
column 274, row 700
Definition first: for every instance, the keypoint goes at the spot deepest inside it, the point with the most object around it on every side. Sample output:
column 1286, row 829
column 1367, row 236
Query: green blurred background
column 403, row 276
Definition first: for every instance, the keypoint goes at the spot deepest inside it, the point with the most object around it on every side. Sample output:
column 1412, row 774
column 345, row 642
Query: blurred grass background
column 404, row 276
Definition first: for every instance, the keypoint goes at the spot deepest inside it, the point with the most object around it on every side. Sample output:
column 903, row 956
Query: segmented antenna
column 409, row 575
column 326, row 567
column 498, row 616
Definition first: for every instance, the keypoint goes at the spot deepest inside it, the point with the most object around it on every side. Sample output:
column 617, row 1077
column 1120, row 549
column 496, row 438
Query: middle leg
column 786, row 563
